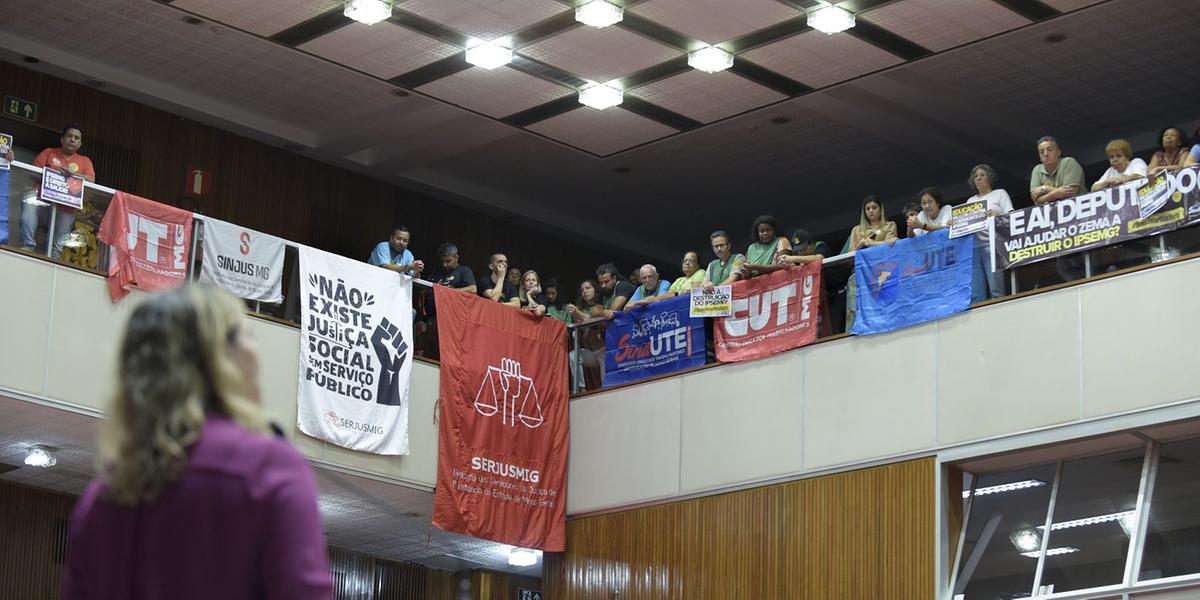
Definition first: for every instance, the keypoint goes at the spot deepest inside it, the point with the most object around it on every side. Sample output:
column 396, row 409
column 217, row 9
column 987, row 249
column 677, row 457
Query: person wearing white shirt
column 1124, row 167
column 934, row 214
column 984, row 283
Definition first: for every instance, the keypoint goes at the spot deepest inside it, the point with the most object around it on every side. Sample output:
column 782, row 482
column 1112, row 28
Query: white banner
column 247, row 263
column 355, row 353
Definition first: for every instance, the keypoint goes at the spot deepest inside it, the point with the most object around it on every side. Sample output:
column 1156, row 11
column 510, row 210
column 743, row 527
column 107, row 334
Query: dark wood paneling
column 490, row 585
column 149, row 152
column 33, row 542
column 861, row 534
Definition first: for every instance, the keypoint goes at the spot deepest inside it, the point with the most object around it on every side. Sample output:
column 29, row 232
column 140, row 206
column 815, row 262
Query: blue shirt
column 663, row 286
column 382, row 255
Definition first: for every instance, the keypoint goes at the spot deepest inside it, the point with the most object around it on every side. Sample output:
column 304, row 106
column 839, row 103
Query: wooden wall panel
column 33, row 541
column 491, row 585
column 865, row 534
column 149, row 152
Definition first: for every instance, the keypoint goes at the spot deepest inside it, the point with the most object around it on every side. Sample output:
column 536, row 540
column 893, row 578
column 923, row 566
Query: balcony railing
column 81, row 249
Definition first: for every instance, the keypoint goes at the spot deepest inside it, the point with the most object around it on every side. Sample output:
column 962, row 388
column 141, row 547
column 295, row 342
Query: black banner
column 1138, row 209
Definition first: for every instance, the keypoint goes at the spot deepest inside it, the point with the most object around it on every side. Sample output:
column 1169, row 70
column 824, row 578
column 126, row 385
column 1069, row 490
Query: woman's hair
column 912, row 207
column 553, row 283
column 988, row 172
column 524, row 295
column 173, row 368
column 1183, row 140
column 863, row 223
column 1121, row 146
column 768, row 220
column 595, row 296
column 932, row 192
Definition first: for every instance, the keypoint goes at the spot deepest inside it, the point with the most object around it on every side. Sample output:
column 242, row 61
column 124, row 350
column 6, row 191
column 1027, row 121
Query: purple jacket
column 241, row 523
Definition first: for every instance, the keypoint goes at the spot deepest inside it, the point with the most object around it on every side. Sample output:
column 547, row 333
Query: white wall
column 60, row 337
column 1050, row 360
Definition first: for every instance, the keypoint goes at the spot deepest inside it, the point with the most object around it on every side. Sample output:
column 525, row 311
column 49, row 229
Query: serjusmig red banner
column 503, row 425
column 149, row 243
column 771, row 313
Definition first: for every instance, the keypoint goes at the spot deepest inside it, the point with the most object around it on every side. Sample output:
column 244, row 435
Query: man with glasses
column 725, row 269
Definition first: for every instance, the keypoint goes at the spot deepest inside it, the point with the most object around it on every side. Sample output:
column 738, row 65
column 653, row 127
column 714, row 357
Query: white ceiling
column 361, row 514
column 704, row 155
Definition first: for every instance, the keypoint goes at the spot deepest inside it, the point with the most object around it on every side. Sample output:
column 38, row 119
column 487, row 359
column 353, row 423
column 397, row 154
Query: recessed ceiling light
column 523, row 557
column 622, row 170
column 1126, row 518
column 368, row 12
column 489, row 55
column 830, row 19
column 1007, row 487
column 1052, row 551
column 1026, row 540
column 400, row 93
column 601, row 96
column 1054, row 38
column 781, row 120
column 599, row 13
column 710, row 59
column 192, row 20
column 40, row 456
column 33, row 60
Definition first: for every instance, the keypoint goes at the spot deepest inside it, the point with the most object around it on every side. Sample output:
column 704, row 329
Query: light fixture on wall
column 40, row 456
column 489, row 55
column 710, row 59
column 1026, row 540
column 599, row 13
column 601, row 95
column 830, row 19
column 523, row 557
column 368, row 12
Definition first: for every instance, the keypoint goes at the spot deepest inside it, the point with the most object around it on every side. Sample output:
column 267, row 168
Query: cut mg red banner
column 771, row 313
column 149, row 243
column 503, row 424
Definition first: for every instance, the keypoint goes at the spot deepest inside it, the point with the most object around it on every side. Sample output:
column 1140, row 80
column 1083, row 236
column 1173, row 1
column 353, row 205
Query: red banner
column 149, row 244
column 771, row 313
column 503, row 426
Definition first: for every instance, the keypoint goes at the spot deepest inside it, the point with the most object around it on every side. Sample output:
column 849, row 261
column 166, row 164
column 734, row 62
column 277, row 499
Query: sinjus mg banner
column 912, row 281
column 243, row 261
column 1117, row 214
column 355, row 353
column 771, row 313
column 653, row 340
column 503, row 423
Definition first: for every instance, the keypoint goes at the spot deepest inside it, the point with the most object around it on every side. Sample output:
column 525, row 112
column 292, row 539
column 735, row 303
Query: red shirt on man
column 78, row 165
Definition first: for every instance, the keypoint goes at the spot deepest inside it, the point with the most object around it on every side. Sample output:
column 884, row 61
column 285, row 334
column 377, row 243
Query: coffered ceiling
column 802, row 126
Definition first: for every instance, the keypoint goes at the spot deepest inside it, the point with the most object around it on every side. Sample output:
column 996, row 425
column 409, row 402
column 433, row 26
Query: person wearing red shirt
column 65, row 158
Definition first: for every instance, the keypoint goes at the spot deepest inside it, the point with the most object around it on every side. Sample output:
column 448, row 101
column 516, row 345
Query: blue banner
column 915, row 280
column 652, row 340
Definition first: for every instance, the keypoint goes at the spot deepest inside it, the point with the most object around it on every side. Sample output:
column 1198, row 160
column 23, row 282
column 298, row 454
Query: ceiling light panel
column 383, row 50
column 601, row 96
column 485, row 19
column 599, row 13
column 489, row 55
column 939, row 25
column 716, row 20
column 368, row 12
column 1006, row 487
column 830, row 19
column 262, row 17
column 710, row 59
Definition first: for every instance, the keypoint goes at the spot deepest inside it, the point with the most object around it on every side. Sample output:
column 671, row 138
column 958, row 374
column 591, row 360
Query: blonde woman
column 195, row 498
column 530, row 294
column 873, row 229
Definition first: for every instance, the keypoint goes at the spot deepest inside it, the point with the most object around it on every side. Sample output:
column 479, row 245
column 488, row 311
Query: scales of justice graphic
column 500, row 390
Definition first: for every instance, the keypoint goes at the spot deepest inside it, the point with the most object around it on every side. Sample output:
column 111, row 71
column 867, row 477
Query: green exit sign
column 19, row 108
